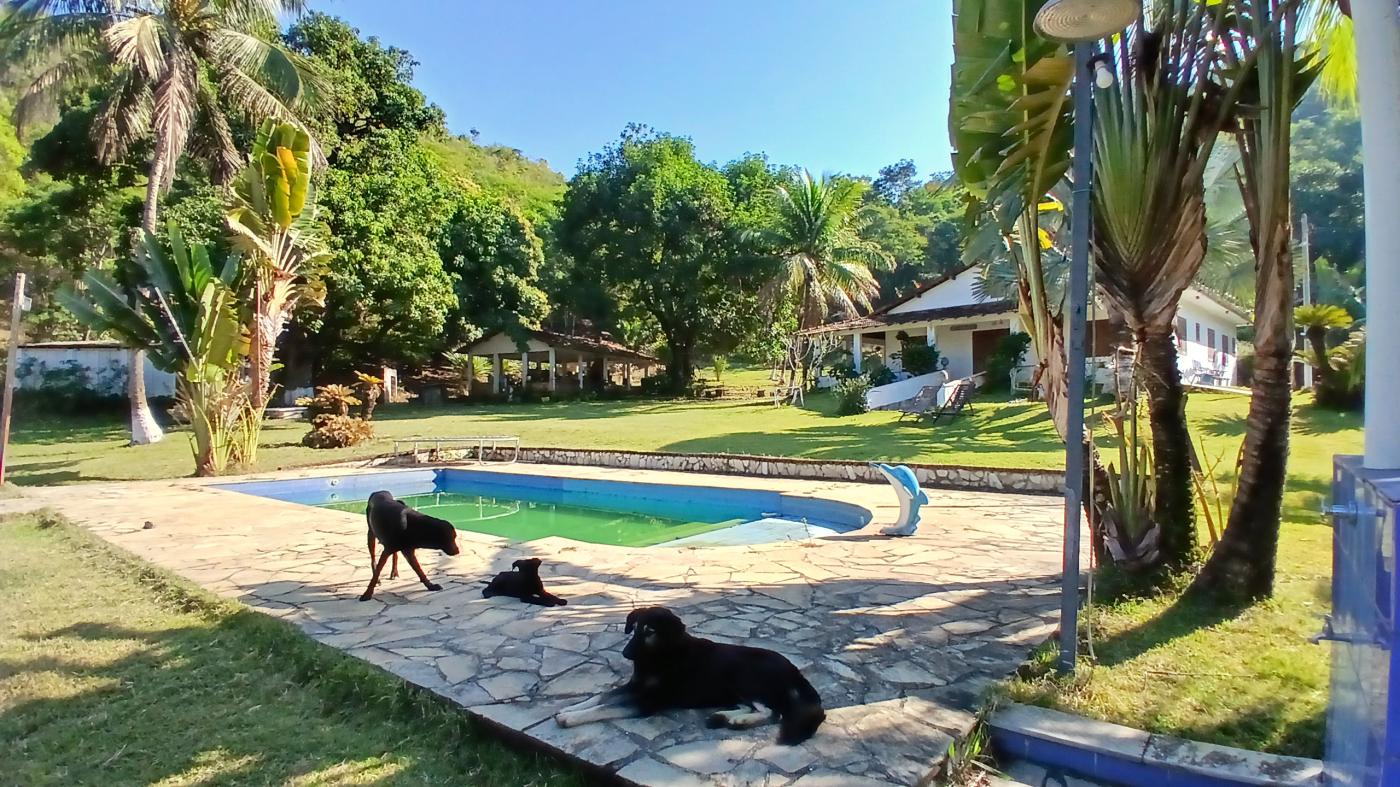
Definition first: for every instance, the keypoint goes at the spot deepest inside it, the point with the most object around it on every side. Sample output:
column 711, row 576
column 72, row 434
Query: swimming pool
column 524, row 507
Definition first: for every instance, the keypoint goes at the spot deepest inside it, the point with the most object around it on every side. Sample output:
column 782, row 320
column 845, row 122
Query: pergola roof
column 540, row 340
column 918, row 317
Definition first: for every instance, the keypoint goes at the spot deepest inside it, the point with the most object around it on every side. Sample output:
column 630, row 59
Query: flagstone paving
column 899, row 635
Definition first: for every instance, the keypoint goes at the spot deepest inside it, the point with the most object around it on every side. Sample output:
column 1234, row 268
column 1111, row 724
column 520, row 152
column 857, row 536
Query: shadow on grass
column 1310, row 419
column 1221, row 426
column 1187, row 615
column 224, row 697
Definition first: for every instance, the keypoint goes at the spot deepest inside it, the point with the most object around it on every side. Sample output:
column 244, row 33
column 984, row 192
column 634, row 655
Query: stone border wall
column 982, row 479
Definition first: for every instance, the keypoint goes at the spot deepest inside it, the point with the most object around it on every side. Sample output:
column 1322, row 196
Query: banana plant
column 181, row 309
column 272, row 218
column 1010, row 125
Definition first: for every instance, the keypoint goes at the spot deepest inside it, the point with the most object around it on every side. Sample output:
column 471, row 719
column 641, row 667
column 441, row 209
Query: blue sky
column 832, row 85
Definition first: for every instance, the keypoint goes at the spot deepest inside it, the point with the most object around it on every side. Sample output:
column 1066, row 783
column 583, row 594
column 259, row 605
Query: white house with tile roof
column 948, row 314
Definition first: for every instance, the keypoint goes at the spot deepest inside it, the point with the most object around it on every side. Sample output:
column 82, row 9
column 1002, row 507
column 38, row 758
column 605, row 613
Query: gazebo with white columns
column 559, row 361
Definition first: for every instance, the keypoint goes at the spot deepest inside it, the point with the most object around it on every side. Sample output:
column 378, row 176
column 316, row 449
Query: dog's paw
column 366, row 596
column 716, row 720
column 559, row 602
column 434, row 586
column 563, row 720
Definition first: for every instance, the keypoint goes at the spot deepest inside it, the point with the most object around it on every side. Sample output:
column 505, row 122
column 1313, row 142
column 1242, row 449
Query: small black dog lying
column 672, row 669
column 401, row 529
column 523, row 583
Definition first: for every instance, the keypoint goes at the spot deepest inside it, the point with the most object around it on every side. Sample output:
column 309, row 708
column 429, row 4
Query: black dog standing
column 401, row 529
column 523, row 583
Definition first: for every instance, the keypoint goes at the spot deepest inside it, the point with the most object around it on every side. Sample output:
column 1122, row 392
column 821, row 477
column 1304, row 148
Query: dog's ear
column 667, row 623
column 632, row 620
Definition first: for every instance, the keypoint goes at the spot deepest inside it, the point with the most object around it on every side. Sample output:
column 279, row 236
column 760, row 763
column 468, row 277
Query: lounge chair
column 922, row 405
column 959, row 398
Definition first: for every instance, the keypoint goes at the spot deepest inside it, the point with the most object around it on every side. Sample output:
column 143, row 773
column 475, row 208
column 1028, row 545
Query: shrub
column 332, row 399
column 878, row 374
column 330, row 430
column 919, row 358
column 721, row 365
column 1010, row 353
column 370, row 389
column 850, row 395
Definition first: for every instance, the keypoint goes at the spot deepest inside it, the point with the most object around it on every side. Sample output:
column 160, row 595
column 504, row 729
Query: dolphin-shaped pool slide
column 906, row 488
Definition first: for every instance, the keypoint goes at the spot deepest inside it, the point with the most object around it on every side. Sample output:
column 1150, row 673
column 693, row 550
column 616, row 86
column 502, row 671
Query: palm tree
column 827, row 265
column 1154, row 132
column 1265, row 54
column 171, row 70
column 1315, row 321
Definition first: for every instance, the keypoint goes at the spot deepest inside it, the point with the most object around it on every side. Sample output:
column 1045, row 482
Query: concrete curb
column 1123, row 755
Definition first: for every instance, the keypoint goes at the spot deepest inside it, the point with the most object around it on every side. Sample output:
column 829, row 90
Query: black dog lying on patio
column 401, row 529
column 523, row 582
column 672, row 669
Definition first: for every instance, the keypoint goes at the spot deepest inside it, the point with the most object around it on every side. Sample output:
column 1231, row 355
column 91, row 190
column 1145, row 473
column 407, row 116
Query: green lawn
column 1245, row 678
column 50, row 451
column 114, row 673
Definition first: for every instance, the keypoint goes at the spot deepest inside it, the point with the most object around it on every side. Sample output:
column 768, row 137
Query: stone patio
column 900, row 636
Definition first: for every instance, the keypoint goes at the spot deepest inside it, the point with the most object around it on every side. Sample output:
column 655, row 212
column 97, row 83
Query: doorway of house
column 984, row 343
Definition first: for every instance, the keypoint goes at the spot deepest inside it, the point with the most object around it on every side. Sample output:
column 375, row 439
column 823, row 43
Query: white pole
column 495, row 372
column 855, row 350
column 1377, row 26
column 1304, row 241
column 551, row 369
column 580, row 372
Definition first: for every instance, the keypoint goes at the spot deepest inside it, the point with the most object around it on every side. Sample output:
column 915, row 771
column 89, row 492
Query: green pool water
column 520, row 520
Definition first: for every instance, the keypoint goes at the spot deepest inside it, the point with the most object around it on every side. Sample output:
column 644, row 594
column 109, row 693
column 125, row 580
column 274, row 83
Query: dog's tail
column 801, row 712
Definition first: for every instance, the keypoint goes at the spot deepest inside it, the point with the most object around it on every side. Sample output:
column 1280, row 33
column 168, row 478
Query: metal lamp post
column 1080, row 22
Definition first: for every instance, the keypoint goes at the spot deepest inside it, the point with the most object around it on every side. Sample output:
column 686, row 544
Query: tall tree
column 491, row 251
column 172, row 71
column 827, row 266
column 1154, row 132
column 653, row 227
column 1261, row 41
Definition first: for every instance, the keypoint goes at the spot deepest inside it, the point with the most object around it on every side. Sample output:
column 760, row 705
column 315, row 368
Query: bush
column 850, row 395
column 878, row 374
column 919, row 358
column 330, row 430
column 1010, row 353
column 720, row 364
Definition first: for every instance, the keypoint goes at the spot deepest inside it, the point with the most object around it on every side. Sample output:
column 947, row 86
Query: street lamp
column 1080, row 22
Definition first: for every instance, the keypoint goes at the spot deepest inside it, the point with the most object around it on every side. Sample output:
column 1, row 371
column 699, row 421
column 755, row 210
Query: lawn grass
column 112, row 672
column 1247, row 678
column 996, row 433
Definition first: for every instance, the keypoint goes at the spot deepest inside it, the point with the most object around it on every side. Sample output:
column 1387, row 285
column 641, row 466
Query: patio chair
column 959, row 399
column 922, row 405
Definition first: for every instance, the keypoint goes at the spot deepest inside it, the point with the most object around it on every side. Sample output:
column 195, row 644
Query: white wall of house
column 956, row 346
column 956, row 291
column 1209, row 342
column 105, row 364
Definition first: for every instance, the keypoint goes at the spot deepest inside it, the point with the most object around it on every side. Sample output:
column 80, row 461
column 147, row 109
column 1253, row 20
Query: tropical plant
column 1260, row 42
column 334, row 399
column 183, row 310
column 850, row 395
column 827, row 265
column 171, row 72
column 337, row 431
column 272, row 218
column 370, row 388
column 720, row 364
column 1011, row 137
column 1154, row 131
column 1009, row 355
column 1332, row 387
column 1131, row 490
column 918, row 357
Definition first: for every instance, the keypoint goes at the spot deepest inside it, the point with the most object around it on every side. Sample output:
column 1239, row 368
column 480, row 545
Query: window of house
column 1181, row 329
column 1210, row 338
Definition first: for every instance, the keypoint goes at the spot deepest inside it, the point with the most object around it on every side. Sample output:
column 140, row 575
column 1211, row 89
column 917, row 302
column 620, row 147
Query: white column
column 471, row 374
column 855, row 350
column 551, row 369
column 626, row 375
column 495, row 372
column 580, row 371
column 891, row 349
column 607, row 376
column 1377, row 26
column 928, row 339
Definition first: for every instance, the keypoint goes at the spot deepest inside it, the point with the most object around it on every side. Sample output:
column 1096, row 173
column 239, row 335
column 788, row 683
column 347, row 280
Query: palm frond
column 138, row 43
column 286, row 74
column 173, row 111
column 254, row 100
